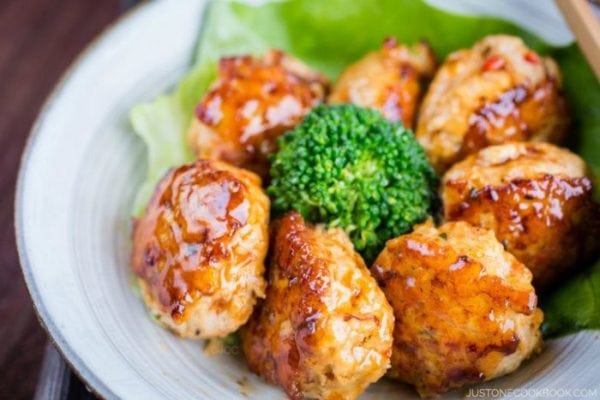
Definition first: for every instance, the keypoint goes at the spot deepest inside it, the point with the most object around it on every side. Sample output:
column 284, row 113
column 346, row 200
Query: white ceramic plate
column 78, row 178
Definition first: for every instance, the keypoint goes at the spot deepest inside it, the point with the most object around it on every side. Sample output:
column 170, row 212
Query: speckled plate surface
column 79, row 174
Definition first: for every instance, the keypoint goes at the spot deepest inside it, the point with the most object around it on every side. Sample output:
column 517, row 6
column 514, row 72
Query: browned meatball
column 325, row 328
column 496, row 92
column 199, row 249
column 253, row 102
column 536, row 197
column 465, row 308
column 389, row 80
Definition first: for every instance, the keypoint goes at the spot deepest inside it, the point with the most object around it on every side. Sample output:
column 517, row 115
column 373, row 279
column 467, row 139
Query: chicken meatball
column 465, row 308
column 200, row 247
column 250, row 105
column 536, row 197
column 325, row 328
column 496, row 92
column 388, row 80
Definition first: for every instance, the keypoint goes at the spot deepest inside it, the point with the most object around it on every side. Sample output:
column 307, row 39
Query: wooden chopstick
column 586, row 28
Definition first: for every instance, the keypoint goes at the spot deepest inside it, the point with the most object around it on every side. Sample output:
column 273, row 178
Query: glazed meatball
column 465, row 308
column 496, row 92
column 199, row 249
column 389, row 80
column 324, row 330
column 250, row 105
column 536, row 197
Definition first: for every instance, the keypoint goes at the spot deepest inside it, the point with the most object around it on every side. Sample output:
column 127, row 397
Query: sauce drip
column 253, row 103
column 184, row 235
column 515, row 115
column 551, row 213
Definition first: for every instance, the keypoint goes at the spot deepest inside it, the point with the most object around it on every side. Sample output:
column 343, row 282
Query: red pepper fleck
column 390, row 42
column 493, row 63
column 531, row 57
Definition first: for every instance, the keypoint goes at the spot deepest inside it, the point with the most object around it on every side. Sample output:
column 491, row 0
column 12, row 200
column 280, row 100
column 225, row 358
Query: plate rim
column 76, row 364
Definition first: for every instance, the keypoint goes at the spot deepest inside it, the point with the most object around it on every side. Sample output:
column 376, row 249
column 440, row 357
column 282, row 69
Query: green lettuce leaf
column 574, row 306
column 330, row 34
column 162, row 124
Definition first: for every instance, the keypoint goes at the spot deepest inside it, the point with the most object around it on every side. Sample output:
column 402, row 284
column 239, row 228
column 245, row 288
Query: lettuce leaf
column 574, row 306
column 162, row 124
column 330, row 34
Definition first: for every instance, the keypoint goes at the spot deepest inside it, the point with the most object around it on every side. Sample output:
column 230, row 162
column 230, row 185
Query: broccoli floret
column 348, row 167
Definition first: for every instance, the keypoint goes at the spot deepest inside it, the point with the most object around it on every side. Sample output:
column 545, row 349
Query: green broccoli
column 348, row 167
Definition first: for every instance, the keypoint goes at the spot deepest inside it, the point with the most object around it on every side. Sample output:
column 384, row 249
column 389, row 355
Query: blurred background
column 38, row 41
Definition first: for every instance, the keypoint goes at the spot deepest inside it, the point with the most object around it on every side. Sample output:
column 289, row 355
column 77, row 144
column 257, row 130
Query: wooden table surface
column 38, row 40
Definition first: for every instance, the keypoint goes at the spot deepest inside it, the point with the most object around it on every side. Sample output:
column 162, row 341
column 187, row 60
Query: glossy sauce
column 437, row 295
column 514, row 116
column 387, row 80
column 253, row 103
column 183, row 236
column 552, row 214
column 398, row 101
column 305, row 281
column 301, row 329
